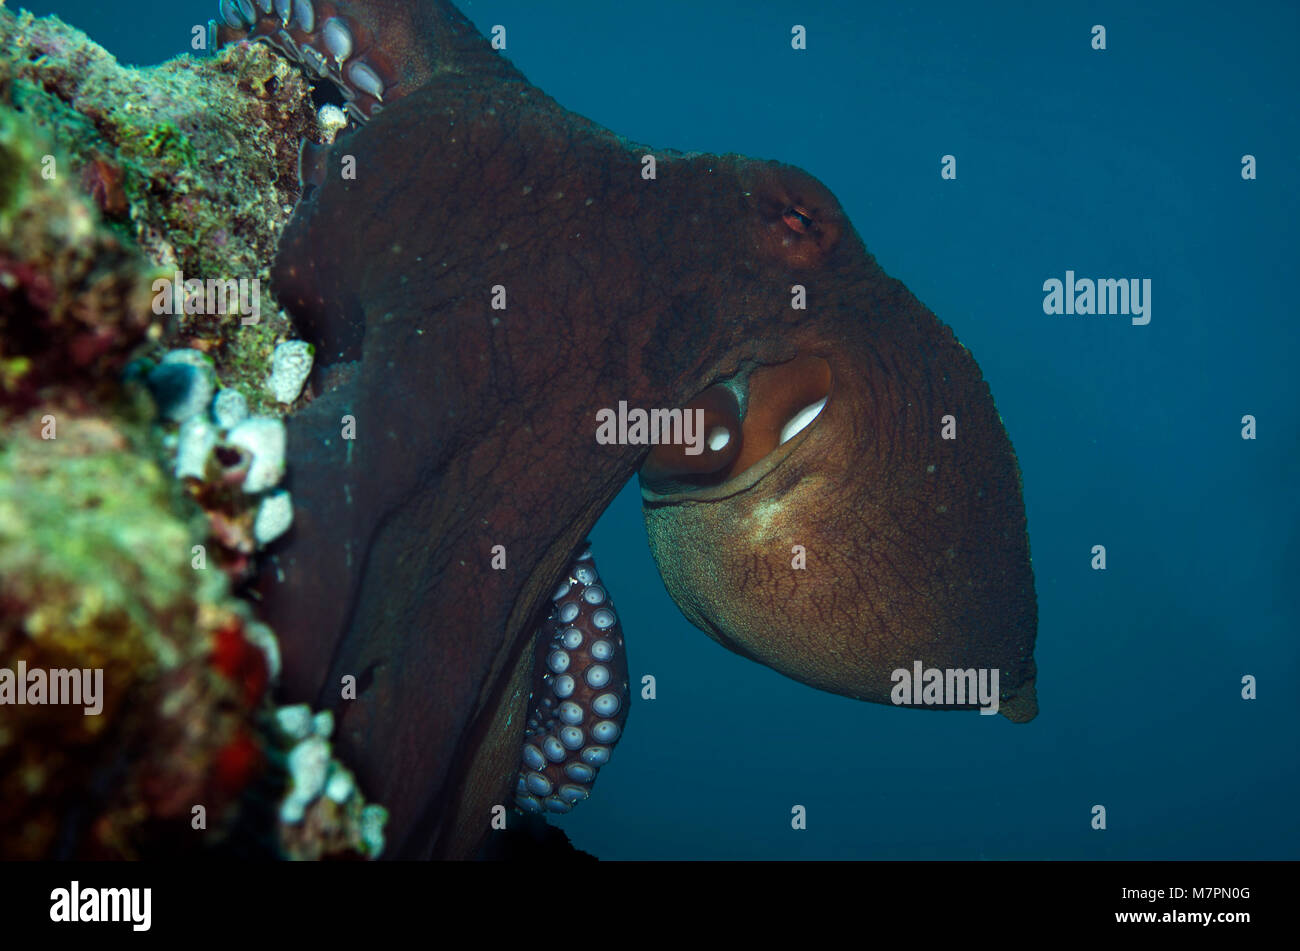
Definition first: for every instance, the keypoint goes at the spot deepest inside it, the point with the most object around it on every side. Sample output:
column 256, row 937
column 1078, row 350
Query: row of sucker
column 580, row 696
column 317, row 36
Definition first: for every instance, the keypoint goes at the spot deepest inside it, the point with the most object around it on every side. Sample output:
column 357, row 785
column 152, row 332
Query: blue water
column 1122, row 163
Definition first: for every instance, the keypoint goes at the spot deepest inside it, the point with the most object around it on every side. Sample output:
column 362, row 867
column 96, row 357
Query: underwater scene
column 686, row 431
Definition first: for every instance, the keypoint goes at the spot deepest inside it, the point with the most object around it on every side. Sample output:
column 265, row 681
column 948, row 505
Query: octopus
column 490, row 278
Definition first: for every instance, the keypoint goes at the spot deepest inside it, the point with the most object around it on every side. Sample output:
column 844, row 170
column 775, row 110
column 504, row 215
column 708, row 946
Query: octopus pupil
column 798, row 219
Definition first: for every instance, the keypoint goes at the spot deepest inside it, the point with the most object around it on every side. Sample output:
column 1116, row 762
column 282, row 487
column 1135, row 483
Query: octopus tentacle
column 580, row 693
column 328, row 43
column 374, row 52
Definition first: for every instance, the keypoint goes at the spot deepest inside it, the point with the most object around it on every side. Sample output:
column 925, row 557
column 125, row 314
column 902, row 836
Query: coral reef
column 74, row 297
column 194, row 161
column 97, row 572
column 138, row 456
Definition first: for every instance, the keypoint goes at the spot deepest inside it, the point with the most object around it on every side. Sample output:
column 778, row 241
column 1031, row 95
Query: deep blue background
column 1123, row 163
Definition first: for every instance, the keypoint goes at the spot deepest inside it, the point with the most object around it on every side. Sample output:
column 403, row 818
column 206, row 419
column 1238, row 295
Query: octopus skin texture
column 854, row 429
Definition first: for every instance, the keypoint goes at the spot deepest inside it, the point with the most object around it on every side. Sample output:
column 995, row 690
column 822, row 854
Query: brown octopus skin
column 475, row 427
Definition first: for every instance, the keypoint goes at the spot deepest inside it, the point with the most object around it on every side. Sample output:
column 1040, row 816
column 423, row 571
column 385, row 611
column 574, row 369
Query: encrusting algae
column 126, row 510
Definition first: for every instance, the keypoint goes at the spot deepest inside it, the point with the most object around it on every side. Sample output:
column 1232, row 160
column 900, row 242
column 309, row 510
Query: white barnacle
column 294, row 721
column 264, row 439
column 229, row 408
column 195, row 443
column 290, row 366
column 331, row 120
column 274, row 516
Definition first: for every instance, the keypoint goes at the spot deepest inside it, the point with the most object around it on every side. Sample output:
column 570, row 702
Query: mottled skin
column 475, row 428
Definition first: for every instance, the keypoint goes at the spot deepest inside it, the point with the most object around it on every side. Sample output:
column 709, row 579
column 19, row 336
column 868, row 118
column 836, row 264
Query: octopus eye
column 797, row 219
column 781, row 401
column 722, row 443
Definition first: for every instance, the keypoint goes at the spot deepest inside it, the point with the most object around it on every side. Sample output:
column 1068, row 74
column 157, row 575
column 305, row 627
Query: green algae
column 171, row 146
